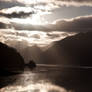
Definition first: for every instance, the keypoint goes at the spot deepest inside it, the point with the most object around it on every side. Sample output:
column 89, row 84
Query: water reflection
column 46, row 87
column 32, row 82
column 51, row 79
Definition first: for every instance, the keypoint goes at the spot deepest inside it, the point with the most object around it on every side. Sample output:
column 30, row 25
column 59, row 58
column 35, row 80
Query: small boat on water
column 31, row 64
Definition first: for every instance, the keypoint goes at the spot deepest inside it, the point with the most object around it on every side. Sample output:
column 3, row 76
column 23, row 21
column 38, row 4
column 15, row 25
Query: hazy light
column 34, row 1
column 11, row 37
column 35, row 19
column 17, row 9
column 45, row 87
column 27, row 83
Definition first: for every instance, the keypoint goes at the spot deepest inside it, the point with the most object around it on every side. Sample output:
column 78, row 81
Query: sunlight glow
column 31, row 38
column 17, row 9
column 38, row 87
column 35, row 19
column 30, row 82
column 36, row 16
column 34, row 1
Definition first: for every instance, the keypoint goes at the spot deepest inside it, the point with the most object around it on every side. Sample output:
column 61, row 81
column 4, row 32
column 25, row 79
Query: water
column 49, row 79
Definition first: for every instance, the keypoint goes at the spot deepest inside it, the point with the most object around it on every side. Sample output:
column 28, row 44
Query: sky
column 41, row 22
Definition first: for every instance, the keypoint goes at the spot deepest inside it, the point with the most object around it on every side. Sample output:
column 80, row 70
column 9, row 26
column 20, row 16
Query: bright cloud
column 29, row 19
column 46, row 4
column 57, row 3
column 12, row 37
column 78, row 24
column 25, row 15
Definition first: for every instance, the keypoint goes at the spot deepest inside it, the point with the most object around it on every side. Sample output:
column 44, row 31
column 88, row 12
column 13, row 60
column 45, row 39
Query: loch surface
column 49, row 78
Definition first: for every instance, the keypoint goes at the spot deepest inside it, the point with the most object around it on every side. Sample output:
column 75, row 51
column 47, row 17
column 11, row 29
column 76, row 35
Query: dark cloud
column 3, row 25
column 73, row 2
column 76, row 0
column 17, row 15
column 50, row 4
column 9, row 4
column 31, row 27
column 79, row 24
column 56, row 3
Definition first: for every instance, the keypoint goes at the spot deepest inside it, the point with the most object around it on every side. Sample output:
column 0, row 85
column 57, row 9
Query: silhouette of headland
column 10, row 60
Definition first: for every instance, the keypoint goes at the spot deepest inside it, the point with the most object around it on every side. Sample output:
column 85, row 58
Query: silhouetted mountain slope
column 73, row 50
column 10, row 59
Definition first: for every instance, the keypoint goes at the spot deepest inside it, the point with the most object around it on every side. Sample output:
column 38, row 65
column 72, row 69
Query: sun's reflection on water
column 32, row 82
column 46, row 87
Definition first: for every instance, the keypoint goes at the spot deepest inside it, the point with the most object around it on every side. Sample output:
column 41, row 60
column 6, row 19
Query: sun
column 36, row 16
column 35, row 19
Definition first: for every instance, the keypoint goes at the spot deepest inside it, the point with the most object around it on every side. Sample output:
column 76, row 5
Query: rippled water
column 49, row 79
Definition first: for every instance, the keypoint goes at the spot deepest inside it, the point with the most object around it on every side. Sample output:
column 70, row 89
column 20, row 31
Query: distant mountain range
column 73, row 50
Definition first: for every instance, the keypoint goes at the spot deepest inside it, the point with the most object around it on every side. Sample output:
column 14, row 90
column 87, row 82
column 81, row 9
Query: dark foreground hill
column 73, row 50
column 10, row 59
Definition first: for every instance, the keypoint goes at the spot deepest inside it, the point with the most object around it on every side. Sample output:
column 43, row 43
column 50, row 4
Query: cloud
column 3, row 25
column 73, row 2
column 25, row 41
column 45, row 5
column 9, row 3
column 29, row 38
column 78, row 24
column 17, row 12
column 56, row 3
column 16, row 15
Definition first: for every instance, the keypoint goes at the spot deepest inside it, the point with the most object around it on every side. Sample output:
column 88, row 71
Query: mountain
column 73, row 50
column 10, row 59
